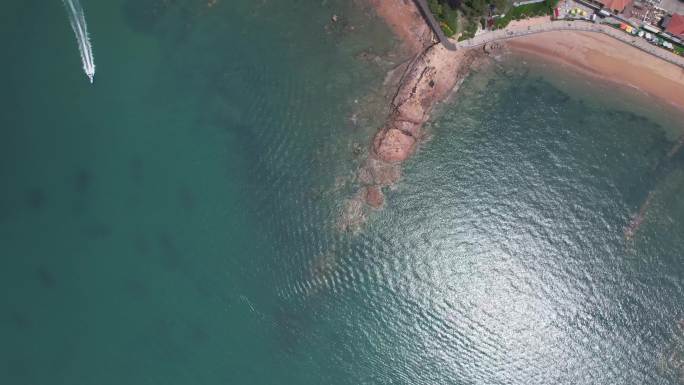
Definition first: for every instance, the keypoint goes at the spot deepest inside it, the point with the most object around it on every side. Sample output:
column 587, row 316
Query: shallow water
column 175, row 222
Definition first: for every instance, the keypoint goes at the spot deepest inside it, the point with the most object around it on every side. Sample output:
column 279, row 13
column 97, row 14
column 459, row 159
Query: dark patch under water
column 35, row 198
column 209, row 254
column 97, row 230
column 171, row 255
column 46, row 278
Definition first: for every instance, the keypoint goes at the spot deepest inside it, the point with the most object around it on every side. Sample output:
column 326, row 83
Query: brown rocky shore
column 428, row 78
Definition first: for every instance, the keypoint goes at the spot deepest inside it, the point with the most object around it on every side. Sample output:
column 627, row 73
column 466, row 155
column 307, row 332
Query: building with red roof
column 615, row 5
column 675, row 26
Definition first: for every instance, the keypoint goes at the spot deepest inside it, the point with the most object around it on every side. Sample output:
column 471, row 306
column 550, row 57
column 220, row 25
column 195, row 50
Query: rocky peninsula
column 434, row 73
column 429, row 77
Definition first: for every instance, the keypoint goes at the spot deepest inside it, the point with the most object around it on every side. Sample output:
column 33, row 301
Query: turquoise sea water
column 175, row 223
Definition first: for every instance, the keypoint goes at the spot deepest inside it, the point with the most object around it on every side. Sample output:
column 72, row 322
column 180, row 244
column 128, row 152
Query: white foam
column 78, row 23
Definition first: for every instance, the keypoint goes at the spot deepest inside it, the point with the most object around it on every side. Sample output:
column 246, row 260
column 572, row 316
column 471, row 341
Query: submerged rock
column 374, row 197
column 353, row 215
column 378, row 172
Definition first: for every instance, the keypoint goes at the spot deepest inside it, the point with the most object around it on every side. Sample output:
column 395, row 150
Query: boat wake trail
column 78, row 23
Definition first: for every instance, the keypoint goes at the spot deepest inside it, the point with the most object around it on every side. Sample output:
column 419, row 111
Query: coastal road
column 576, row 25
column 434, row 24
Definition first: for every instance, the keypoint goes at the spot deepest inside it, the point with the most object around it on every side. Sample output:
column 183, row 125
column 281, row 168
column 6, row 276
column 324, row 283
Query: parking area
column 569, row 9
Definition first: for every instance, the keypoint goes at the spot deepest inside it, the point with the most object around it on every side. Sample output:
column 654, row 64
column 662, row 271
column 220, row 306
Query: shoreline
column 435, row 73
column 602, row 57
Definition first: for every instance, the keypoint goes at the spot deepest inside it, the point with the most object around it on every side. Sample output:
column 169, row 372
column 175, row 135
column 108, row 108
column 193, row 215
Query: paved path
column 635, row 41
column 434, row 24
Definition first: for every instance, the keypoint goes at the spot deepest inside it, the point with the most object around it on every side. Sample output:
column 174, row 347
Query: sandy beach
column 600, row 56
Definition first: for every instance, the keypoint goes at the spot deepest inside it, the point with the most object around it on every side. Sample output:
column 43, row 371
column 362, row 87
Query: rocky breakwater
column 419, row 89
column 430, row 77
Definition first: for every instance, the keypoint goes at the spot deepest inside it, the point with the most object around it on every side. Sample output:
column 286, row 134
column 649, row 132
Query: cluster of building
column 663, row 17
column 661, row 22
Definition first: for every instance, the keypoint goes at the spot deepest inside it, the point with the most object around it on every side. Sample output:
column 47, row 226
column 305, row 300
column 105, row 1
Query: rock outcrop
column 374, row 197
column 393, row 145
column 430, row 77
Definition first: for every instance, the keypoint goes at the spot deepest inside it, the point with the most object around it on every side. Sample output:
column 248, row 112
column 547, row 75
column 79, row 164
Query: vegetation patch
column 525, row 12
column 469, row 32
column 678, row 49
column 463, row 17
column 446, row 15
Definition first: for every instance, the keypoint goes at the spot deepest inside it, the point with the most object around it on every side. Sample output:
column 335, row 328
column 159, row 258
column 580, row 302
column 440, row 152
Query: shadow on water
column 137, row 288
column 17, row 369
column 4, row 212
column 20, row 321
column 197, row 333
column 172, row 258
column 97, row 230
column 83, row 181
column 82, row 184
column 136, row 170
column 35, row 198
column 186, row 198
column 141, row 244
column 45, row 278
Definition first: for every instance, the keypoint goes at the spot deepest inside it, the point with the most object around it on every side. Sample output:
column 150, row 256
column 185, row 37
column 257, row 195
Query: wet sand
column 600, row 56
